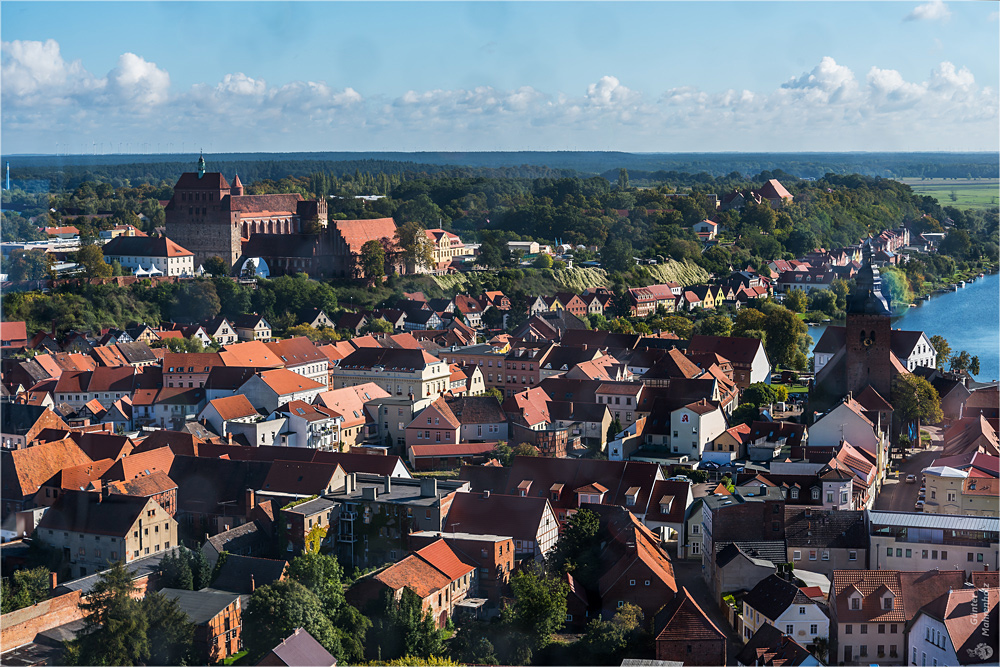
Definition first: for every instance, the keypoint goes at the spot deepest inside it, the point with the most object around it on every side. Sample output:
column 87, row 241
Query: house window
column 802, row 611
column 851, row 555
column 881, row 630
column 796, row 555
column 850, row 628
column 813, row 629
column 864, row 628
column 855, row 604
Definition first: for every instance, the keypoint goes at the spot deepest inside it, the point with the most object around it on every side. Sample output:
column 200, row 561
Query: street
column 898, row 496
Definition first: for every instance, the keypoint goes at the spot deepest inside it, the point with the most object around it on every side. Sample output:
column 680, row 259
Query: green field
column 962, row 193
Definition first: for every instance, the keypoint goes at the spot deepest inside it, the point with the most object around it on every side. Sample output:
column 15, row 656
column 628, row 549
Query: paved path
column 898, row 496
column 688, row 575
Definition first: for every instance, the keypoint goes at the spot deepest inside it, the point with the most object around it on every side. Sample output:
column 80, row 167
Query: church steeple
column 237, row 187
column 201, row 166
column 867, row 297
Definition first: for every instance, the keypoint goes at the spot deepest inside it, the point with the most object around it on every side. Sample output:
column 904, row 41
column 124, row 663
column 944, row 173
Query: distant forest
column 64, row 173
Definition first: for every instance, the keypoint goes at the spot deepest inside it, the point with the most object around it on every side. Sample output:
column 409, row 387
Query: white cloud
column 829, row 81
column 609, row 91
column 35, row 72
column 138, row 83
column 935, row 10
column 824, row 107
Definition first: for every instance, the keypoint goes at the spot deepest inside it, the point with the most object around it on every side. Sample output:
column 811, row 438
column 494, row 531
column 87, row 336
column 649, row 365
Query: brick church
column 210, row 217
column 866, row 357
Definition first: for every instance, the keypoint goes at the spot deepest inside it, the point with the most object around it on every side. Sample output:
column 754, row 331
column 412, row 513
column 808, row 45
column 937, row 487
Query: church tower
column 869, row 333
column 200, row 217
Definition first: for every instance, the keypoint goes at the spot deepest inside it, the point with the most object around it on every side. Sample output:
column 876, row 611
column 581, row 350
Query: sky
column 663, row 76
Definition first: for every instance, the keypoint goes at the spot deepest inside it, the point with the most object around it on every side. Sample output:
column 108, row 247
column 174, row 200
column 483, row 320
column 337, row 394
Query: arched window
column 815, row 494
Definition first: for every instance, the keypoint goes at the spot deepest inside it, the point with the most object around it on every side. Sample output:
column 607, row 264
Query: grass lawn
column 797, row 389
column 234, row 658
column 962, row 193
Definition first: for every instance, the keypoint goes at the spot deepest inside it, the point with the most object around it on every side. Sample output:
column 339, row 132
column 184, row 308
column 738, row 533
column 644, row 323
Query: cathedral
column 210, row 217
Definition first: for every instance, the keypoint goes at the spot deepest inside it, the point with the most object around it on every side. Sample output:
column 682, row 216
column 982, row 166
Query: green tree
column 747, row 413
column 471, row 644
column 606, row 642
column 617, row 255
column 679, row 325
column 373, row 261
column 30, row 265
column 758, row 394
column 614, row 428
column 115, row 627
column 897, row 287
column 216, row 266
column 276, row 610
column 783, row 331
column 963, row 361
column 175, row 571
column 91, row 258
column 524, row 449
column 503, row 453
column 401, row 628
column 796, row 300
column 577, row 550
column 915, row 399
column 543, row 261
column 539, row 608
column 26, row 588
column 714, row 325
column 322, row 575
column 495, row 393
column 415, row 247
column 170, row 632
column 201, row 571
column 623, row 179
column 493, row 252
column 943, row 349
column 378, row 325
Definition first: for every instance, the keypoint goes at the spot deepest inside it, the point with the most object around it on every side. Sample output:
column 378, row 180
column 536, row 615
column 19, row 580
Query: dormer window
column 795, row 494
column 887, row 603
column 855, row 602
column 815, row 494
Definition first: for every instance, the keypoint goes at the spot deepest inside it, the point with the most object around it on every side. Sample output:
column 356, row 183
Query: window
column 826, row 555
column 789, row 630
column 855, row 604
column 881, row 649
column 864, row 628
column 621, row 603
column 863, row 650
column 631, row 582
column 887, row 604
column 802, row 611
column 850, row 628
column 647, row 582
column 851, row 555
column 813, row 629
column 812, row 554
column 796, row 555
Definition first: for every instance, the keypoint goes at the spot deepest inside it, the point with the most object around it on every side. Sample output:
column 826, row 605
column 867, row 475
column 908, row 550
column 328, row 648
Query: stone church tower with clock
column 869, row 334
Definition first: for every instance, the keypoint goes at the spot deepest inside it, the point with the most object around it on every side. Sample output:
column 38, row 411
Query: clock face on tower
column 868, row 341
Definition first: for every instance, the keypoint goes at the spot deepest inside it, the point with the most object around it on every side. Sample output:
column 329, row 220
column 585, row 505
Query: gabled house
column 824, row 540
column 219, row 413
column 267, row 390
column 435, row 573
column 299, row 355
column 529, row 521
column 220, row 330
column 685, row 634
column 25, row 470
column 306, row 425
column 252, row 327
column 958, row 628
column 770, row 647
column 481, row 418
column 779, row 603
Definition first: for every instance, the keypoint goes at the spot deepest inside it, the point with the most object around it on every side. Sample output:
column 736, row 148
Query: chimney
column 388, row 484
column 486, row 494
column 251, row 500
column 53, row 580
column 428, row 488
column 253, row 584
column 229, row 436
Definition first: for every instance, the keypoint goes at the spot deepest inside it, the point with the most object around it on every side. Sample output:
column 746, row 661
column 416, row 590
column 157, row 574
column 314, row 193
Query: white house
column 268, row 390
column 222, row 412
column 148, row 253
column 312, row 426
column 780, row 603
column 706, row 230
column 847, row 422
column 955, row 629
column 694, row 426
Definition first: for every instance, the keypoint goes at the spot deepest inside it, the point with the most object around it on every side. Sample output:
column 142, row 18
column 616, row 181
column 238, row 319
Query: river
column 969, row 319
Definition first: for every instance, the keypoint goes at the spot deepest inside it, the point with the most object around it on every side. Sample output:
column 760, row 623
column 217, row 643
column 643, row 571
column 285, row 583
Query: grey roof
column 311, row 507
column 808, row 527
column 238, row 538
column 762, row 553
column 986, row 524
column 237, row 572
column 140, row 567
column 402, row 490
column 773, row 595
column 461, row 536
column 200, row 606
column 300, row 649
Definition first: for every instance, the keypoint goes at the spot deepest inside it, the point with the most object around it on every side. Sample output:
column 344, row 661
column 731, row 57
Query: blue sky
column 649, row 76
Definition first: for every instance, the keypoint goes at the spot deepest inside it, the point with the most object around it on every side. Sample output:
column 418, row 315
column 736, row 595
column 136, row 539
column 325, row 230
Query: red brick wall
column 703, row 652
column 20, row 627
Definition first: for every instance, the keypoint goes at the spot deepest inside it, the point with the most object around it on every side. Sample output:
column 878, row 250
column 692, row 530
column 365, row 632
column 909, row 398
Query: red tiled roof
column 13, row 331
column 277, row 204
column 684, row 620
column 145, row 486
column 250, row 354
column 24, row 470
column 296, row 351
column 284, row 382
column 357, row 232
column 416, row 574
column 439, row 555
column 233, row 407
column 140, row 464
column 144, row 246
column 470, row 449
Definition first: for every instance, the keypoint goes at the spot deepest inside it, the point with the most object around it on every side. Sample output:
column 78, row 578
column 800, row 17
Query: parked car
column 919, row 506
column 911, row 479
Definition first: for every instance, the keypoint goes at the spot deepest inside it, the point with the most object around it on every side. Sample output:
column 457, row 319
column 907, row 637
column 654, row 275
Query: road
column 898, row 496
column 688, row 575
